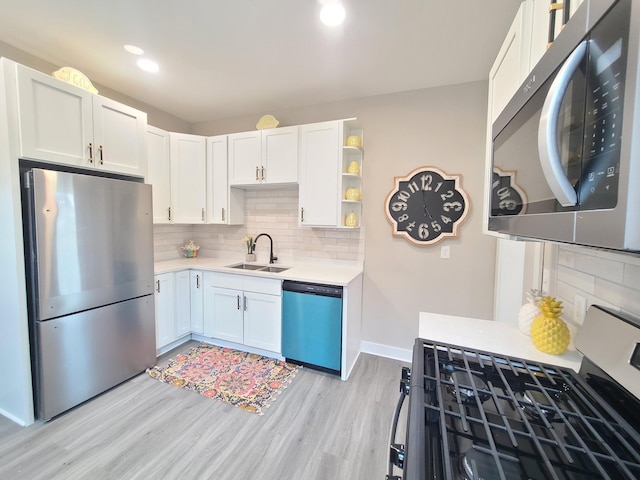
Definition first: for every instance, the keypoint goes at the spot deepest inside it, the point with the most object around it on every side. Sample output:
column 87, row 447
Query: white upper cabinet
column 511, row 65
column 159, row 176
column 540, row 21
column 330, row 175
column 224, row 205
column 188, row 178
column 319, row 174
column 61, row 123
column 263, row 157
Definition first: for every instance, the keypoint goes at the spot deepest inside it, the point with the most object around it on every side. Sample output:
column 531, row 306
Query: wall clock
column 426, row 206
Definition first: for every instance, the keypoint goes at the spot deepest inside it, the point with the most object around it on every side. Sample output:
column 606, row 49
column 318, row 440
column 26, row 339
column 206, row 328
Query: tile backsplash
column 601, row 277
column 267, row 210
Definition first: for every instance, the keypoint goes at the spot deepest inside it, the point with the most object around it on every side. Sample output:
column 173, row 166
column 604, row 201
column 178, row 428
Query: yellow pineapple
column 548, row 331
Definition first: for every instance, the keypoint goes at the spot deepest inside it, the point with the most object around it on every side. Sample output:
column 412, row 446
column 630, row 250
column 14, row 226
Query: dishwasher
column 312, row 325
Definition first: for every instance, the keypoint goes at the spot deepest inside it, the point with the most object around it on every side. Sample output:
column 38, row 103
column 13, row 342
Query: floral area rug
column 245, row 380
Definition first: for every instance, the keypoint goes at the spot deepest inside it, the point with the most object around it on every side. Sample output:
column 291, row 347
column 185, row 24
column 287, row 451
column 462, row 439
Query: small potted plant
column 251, row 246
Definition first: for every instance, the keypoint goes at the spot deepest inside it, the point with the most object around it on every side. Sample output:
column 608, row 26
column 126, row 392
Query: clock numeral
column 436, row 226
column 445, row 219
column 426, row 180
column 445, row 196
column 413, row 186
column 438, row 186
column 399, row 206
column 410, row 226
column 455, row 206
column 508, row 205
column 423, row 231
column 403, row 218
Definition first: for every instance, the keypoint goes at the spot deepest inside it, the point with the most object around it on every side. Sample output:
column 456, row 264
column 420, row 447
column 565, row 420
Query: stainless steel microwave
column 566, row 148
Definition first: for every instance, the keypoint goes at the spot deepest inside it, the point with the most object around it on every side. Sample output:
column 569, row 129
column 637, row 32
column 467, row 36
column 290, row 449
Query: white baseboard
column 404, row 355
column 20, row 421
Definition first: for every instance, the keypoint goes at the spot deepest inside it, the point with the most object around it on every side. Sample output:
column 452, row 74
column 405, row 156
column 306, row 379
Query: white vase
column 250, row 257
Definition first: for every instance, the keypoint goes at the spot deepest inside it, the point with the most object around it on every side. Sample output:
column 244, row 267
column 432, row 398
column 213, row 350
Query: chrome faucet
column 271, row 257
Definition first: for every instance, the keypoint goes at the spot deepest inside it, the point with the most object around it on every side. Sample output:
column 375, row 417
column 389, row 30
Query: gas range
column 480, row 415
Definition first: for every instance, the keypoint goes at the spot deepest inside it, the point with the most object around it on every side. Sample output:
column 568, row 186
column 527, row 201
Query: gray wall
column 443, row 127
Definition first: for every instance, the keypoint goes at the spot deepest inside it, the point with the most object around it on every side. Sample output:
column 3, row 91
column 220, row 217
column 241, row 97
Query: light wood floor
column 318, row 428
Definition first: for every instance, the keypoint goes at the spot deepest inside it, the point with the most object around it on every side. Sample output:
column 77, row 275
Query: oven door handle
column 548, row 148
column 396, row 450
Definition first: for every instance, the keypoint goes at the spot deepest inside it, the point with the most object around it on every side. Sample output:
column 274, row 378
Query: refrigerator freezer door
column 87, row 353
column 92, row 241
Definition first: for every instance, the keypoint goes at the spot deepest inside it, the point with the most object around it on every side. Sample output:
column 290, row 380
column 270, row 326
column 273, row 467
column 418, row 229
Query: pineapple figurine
column 529, row 311
column 549, row 332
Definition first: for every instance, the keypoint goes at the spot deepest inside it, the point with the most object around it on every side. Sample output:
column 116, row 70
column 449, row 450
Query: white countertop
column 498, row 337
column 327, row 272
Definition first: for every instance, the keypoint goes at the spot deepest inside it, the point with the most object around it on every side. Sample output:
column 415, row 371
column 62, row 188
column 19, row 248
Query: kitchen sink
column 273, row 269
column 259, row 268
column 246, row 266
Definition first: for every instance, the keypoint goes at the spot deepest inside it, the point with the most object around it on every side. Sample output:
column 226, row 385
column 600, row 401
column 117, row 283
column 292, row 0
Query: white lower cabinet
column 165, row 309
column 243, row 309
column 197, row 301
column 172, row 304
column 183, row 303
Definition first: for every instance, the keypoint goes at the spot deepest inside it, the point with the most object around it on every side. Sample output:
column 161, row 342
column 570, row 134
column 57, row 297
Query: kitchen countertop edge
column 342, row 273
column 491, row 336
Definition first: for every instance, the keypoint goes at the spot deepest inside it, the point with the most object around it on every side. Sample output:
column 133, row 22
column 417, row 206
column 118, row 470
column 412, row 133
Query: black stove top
column 479, row 415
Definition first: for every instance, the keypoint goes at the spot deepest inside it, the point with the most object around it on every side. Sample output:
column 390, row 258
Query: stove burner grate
column 517, row 419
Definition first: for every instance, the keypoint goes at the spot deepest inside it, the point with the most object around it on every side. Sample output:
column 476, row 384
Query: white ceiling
column 226, row 58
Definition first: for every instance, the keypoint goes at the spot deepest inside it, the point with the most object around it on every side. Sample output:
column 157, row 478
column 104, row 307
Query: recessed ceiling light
column 332, row 14
column 133, row 49
column 148, row 65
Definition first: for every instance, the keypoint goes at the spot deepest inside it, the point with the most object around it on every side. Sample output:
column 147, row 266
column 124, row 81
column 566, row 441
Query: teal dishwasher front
column 312, row 324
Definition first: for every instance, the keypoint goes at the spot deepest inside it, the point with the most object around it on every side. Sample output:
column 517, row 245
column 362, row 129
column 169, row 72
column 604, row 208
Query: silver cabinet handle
column 547, row 131
column 90, row 153
column 100, row 149
column 257, row 175
column 197, row 281
column 203, row 214
column 223, row 214
column 238, row 297
column 244, row 301
column 169, row 210
column 302, row 214
column 158, row 286
column 262, row 173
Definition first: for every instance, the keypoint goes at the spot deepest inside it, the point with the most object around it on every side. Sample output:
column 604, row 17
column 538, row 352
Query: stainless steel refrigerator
column 89, row 261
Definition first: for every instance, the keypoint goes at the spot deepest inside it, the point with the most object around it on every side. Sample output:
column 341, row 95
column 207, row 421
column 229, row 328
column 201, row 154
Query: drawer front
column 224, row 280
column 270, row 286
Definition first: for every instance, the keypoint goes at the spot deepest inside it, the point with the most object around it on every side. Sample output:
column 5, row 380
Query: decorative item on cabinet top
column 267, row 121
column 426, row 206
column 75, row 77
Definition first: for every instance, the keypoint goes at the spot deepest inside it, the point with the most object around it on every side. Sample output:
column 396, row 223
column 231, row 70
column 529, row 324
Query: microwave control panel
column 603, row 123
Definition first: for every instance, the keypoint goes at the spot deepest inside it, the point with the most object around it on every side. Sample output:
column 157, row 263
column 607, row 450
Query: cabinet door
column 263, row 321
column 188, row 177
column 159, row 173
column 320, row 148
column 55, row 119
column 183, row 303
column 223, row 314
column 197, row 301
column 511, row 65
column 280, row 155
column 165, row 309
column 245, row 162
column 119, row 136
